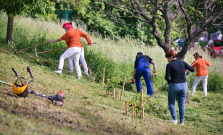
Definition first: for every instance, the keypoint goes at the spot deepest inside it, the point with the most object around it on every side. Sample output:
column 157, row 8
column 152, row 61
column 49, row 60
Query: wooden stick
column 123, row 86
column 154, row 94
column 103, row 80
column 133, row 110
column 114, row 93
column 187, row 98
column 91, row 75
column 31, row 47
column 107, row 90
column 141, row 97
column 126, row 108
column 118, row 95
column 35, row 52
column 142, row 116
column 50, row 50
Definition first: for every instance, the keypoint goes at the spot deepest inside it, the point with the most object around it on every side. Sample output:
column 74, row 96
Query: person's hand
column 187, row 73
column 154, row 74
column 133, row 81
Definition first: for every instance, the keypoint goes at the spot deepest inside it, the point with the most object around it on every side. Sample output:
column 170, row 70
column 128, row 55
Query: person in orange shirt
column 72, row 38
column 201, row 73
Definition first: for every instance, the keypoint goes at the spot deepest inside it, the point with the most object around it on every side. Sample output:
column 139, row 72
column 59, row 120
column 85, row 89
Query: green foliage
column 215, row 83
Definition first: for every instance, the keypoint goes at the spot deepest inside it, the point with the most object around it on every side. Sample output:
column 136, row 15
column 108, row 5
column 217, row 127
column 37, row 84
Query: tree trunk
column 10, row 28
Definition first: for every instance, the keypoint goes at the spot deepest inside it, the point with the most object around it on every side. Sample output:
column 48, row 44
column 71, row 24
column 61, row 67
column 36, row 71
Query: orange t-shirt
column 73, row 38
column 200, row 65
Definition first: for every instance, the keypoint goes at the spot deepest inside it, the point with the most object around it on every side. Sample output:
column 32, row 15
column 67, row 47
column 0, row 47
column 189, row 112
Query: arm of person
column 57, row 40
column 188, row 67
column 167, row 76
column 82, row 34
column 154, row 67
column 207, row 63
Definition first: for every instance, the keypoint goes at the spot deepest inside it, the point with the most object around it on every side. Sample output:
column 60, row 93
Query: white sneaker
column 181, row 124
column 78, row 78
column 58, row 71
column 173, row 121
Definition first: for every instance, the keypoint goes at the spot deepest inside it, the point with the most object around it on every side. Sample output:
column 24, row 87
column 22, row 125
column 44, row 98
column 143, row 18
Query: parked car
column 215, row 48
column 179, row 43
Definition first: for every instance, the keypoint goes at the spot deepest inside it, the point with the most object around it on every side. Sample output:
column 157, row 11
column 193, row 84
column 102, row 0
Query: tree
column 160, row 15
column 16, row 7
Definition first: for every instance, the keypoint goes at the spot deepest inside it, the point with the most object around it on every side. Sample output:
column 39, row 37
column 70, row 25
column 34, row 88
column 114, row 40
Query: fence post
column 107, row 90
column 103, row 80
column 91, row 75
column 142, row 116
column 114, row 93
column 133, row 110
column 123, row 86
column 126, row 108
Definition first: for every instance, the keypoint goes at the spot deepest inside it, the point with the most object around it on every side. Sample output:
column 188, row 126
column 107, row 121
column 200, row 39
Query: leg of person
column 82, row 59
column 181, row 101
column 138, row 81
column 70, row 63
column 172, row 92
column 196, row 81
column 205, row 82
column 148, row 79
column 76, row 61
column 69, row 52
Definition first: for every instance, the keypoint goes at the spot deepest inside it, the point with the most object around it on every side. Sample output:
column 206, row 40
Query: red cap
column 67, row 26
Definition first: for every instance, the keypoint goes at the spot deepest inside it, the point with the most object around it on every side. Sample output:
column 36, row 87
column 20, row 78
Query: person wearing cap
column 201, row 73
column 175, row 77
column 82, row 59
column 142, row 68
column 72, row 38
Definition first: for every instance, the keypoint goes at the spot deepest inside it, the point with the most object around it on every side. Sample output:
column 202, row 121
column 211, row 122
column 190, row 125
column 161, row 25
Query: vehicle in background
column 215, row 48
column 179, row 43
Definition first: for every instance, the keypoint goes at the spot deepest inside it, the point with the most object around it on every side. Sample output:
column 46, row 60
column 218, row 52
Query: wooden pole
column 35, row 52
column 126, row 108
column 133, row 110
column 118, row 96
column 123, row 86
column 107, row 90
column 187, row 98
column 91, row 75
column 142, row 116
column 114, row 93
column 103, row 81
column 141, row 97
column 31, row 47
column 154, row 94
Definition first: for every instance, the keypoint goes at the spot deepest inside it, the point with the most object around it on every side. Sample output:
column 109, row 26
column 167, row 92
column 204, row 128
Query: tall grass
column 116, row 56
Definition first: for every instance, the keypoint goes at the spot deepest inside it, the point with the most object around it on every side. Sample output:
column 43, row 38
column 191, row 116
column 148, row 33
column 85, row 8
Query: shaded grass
column 87, row 110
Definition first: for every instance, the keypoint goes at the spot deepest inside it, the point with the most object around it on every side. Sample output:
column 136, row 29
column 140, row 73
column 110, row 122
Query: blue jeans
column 178, row 90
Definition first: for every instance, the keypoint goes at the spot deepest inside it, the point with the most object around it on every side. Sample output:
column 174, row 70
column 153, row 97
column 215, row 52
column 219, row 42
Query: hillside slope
column 86, row 109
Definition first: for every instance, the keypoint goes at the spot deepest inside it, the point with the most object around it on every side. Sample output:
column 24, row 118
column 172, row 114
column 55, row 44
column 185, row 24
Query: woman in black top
column 175, row 76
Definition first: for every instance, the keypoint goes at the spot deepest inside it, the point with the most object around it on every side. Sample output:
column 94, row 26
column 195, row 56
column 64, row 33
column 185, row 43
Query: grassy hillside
column 87, row 110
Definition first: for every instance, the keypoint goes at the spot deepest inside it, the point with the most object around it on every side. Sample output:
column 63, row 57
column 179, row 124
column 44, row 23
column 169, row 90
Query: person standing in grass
column 82, row 59
column 74, row 47
column 201, row 73
column 142, row 68
column 175, row 76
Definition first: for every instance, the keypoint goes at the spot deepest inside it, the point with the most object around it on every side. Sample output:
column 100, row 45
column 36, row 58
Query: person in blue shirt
column 142, row 68
column 175, row 77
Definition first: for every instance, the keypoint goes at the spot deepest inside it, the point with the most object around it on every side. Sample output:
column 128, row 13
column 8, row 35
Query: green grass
column 87, row 110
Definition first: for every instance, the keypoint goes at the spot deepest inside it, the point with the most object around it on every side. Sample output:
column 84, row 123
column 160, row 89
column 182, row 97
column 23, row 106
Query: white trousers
column 204, row 84
column 73, row 52
column 83, row 62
